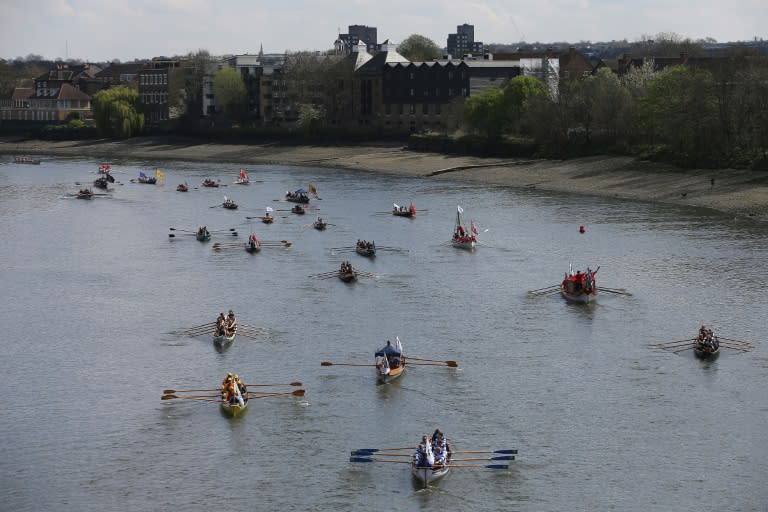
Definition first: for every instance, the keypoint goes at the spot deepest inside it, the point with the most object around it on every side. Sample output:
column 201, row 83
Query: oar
column 682, row 349
column 418, row 363
column 365, row 453
column 382, row 449
column 268, row 385
column 298, row 392
column 487, row 466
column 185, row 230
column 449, row 362
column 731, row 339
column 676, row 341
column 209, row 324
column 328, row 363
column 502, row 457
column 508, row 451
column 610, row 290
column 363, row 459
column 171, row 391
column 171, row 397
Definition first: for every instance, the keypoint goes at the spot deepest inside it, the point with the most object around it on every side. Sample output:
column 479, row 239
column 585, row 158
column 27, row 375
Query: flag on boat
column 159, row 174
column 385, row 365
column 270, row 209
column 142, row 175
column 473, row 227
column 105, row 168
column 398, row 345
column 395, row 205
column 461, row 210
column 312, row 189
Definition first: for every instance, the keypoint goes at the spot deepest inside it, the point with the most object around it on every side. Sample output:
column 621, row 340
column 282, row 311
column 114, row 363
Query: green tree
column 229, row 91
column 517, row 93
column 680, row 109
column 117, row 112
column 418, row 48
column 484, row 113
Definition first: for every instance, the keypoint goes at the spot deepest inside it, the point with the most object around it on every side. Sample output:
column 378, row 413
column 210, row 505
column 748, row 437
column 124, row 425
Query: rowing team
column 365, row 244
column 233, row 391
column 706, row 338
column 432, row 451
column 203, row 231
column 226, row 325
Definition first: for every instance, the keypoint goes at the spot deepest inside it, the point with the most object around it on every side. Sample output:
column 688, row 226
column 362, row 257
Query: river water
column 95, row 292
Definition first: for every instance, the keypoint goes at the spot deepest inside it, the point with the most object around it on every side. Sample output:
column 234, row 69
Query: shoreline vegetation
column 743, row 193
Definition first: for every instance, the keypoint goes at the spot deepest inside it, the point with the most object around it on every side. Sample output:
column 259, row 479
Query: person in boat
column 423, row 455
column 230, row 323
column 220, row 324
column 393, row 355
column 227, row 389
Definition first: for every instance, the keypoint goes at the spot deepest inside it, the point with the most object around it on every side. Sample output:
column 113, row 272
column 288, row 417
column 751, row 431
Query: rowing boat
column 233, row 402
column 390, row 362
column 580, row 287
column 431, row 461
column 463, row 238
column 367, row 249
column 298, row 209
column 229, row 204
column 182, row 187
column 85, row 194
column 253, row 245
column 222, row 340
column 347, row 275
column 402, row 211
column 319, row 224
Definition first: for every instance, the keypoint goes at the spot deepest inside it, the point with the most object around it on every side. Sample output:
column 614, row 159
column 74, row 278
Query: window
column 425, row 108
column 412, row 109
column 387, row 108
column 400, row 108
column 413, row 93
column 438, row 109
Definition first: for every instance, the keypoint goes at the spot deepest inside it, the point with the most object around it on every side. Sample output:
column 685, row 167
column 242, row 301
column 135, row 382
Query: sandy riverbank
column 742, row 193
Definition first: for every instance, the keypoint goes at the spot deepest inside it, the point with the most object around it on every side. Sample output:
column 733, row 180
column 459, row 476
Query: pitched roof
column 115, row 70
column 68, row 92
column 375, row 65
column 22, row 93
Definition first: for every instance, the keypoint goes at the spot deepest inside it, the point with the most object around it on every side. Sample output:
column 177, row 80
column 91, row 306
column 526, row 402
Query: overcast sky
column 102, row 30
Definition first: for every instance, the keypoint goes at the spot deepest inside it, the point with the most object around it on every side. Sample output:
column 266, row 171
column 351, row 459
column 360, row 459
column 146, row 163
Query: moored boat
column 580, row 287
column 365, row 248
column 402, row 211
column 463, row 238
column 390, row 362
